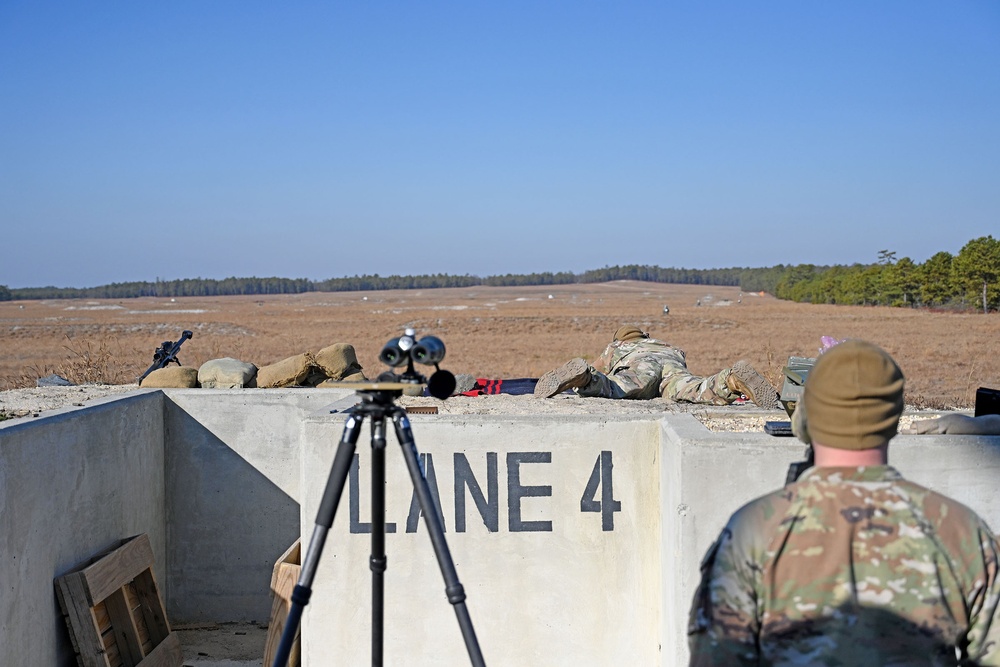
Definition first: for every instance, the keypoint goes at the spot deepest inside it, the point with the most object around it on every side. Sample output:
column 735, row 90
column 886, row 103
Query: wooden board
column 114, row 611
column 283, row 579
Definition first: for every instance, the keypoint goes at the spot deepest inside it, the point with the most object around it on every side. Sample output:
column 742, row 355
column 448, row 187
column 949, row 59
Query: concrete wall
column 569, row 593
column 547, row 583
column 72, row 483
column 577, row 538
column 232, row 491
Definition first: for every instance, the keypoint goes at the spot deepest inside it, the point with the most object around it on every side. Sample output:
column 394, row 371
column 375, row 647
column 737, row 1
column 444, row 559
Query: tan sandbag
column 289, row 372
column 338, row 361
column 226, row 373
column 315, row 378
column 339, row 384
column 171, row 377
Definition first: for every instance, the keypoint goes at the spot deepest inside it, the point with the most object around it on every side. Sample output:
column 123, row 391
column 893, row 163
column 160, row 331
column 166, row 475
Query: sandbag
column 315, row 378
column 171, row 377
column 339, row 384
column 289, row 372
column 226, row 373
column 338, row 361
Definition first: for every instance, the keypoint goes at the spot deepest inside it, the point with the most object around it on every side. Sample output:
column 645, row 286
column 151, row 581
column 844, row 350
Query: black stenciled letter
column 354, row 491
column 515, row 492
column 427, row 465
column 488, row 505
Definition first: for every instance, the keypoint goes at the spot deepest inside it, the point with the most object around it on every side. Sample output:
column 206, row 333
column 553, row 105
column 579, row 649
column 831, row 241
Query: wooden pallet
column 283, row 579
column 114, row 611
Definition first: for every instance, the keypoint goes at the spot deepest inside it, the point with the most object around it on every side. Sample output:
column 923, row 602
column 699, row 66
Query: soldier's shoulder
column 770, row 508
column 947, row 513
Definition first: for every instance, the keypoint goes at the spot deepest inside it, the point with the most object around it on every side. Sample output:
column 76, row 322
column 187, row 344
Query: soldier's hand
column 956, row 424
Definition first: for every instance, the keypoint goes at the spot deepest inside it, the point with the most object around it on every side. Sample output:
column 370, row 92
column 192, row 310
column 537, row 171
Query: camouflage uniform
column 647, row 368
column 849, row 566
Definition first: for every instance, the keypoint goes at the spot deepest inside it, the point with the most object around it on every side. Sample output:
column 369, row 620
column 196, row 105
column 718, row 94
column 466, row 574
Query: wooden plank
column 284, row 576
column 83, row 630
column 135, row 610
column 151, row 606
column 118, row 567
column 125, row 632
column 102, row 618
column 167, row 653
column 114, row 657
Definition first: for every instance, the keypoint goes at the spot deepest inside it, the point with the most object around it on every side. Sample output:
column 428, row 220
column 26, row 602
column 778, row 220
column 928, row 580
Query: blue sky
column 212, row 139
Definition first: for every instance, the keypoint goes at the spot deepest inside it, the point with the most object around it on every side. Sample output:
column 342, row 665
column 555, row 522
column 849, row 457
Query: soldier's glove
column 956, row 424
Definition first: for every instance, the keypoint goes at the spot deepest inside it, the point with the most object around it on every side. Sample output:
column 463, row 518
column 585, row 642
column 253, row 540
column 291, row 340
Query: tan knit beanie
column 630, row 333
column 853, row 397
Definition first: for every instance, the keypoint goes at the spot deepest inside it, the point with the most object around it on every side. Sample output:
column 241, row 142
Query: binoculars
column 429, row 350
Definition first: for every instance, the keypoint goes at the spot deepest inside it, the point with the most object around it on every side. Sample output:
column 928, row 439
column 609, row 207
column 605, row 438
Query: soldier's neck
column 831, row 457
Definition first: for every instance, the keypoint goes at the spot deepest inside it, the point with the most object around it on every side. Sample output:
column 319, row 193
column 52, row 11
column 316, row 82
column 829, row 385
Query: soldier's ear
column 800, row 428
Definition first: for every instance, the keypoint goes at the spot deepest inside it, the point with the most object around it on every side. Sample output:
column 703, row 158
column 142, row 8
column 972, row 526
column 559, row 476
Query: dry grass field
column 494, row 332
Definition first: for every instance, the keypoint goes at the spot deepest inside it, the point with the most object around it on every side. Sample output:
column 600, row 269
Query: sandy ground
column 32, row 402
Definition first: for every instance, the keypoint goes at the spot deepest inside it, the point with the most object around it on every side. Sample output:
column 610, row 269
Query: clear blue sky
column 168, row 140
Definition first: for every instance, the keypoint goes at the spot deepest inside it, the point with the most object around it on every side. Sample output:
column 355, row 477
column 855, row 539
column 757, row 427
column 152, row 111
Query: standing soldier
column 851, row 564
column 639, row 367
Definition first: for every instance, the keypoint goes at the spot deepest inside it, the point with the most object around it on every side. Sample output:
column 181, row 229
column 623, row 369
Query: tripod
column 377, row 403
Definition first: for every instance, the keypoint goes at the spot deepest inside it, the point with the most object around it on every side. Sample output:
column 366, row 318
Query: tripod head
column 429, row 351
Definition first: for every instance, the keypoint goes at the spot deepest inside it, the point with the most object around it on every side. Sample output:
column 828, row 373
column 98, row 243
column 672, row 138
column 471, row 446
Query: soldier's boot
column 572, row 374
column 744, row 379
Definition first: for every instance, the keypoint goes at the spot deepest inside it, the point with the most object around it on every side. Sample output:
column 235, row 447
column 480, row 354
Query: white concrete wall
column 232, row 488
column 72, row 483
column 574, row 595
column 547, row 584
column 224, row 481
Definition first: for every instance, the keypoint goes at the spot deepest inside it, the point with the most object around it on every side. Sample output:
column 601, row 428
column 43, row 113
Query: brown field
column 493, row 332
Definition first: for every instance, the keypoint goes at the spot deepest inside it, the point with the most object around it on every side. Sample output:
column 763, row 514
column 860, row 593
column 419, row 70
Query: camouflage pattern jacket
column 623, row 353
column 849, row 566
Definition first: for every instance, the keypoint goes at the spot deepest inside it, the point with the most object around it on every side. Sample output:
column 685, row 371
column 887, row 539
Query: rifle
column 165, row 354
column 796, row 468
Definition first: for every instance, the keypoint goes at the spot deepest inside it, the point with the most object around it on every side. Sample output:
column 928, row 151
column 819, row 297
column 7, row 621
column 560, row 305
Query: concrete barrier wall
column 232, row 490
column 553, row 524
column 72, row 483
column 577, row 538
column 550, row 586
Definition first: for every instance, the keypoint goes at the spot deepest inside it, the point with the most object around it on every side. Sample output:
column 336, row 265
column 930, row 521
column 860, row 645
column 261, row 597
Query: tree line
column 970, row 279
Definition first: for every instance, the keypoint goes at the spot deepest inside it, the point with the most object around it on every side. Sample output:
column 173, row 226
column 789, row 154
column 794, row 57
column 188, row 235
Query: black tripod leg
column 453, row 587
column 378, row 561
column 324, row 520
